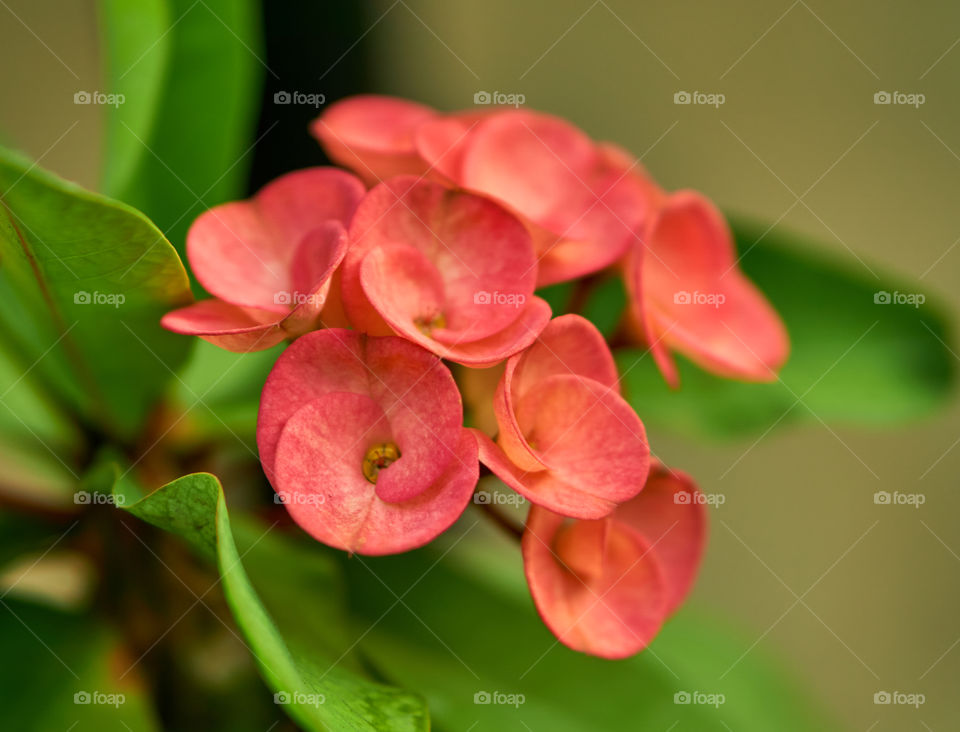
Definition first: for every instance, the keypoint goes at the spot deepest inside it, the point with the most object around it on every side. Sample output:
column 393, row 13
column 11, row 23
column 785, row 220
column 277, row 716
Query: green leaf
column 605, row 305
column 222, row 391
column 465, row 629
column 60, row 672
column 84, row 281
column 191, row 77
column 137, row 46
column 852, row 361
column 310, row 665
column 23, row 534
column 25, row 410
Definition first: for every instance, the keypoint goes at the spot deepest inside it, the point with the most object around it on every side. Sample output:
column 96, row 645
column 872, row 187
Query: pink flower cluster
column 431, row 253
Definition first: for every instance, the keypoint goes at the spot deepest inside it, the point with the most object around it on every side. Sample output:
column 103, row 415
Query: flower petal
column 443, row 141
column 671, row 514
column 413, row 388
column 586, row 435
column 231, row 327
column 698, row 301
column 373, row 135
column 325, row 493
column 242, row 251
column 570, row 344
column 492, row 350
column 572, row 443
column 596, row 585
column 318, row 256
column 476, row 258
column 585, row 205
column 542, row 487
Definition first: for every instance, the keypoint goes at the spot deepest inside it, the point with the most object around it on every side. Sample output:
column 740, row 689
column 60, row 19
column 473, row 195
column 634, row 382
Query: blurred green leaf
column 61, row 671
column 222, row 390
column 852, row 361
column 25, row 409
column 23, row 534
column 323, row 692
column 558, row 296
column 84, row 281
column 35, row 475
column 461, row 633
column 605, row 305
column 190, row 73
column 137, row 46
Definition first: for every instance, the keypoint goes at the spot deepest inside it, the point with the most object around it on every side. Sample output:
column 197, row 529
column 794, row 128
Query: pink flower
column 269, row 260
column 576, row 197
column 446, row 269
column 567, row 441
column 689, row 295
column 362, row 439
column 605, row 587
column 586, row 205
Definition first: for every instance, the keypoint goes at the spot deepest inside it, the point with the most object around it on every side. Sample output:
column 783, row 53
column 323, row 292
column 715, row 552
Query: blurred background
column 858, row 597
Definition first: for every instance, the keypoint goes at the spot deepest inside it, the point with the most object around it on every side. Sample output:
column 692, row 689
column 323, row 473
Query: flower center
column 378, row 458
column 426, row 325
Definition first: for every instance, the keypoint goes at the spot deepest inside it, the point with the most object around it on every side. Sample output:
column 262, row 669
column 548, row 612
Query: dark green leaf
column 84, row 281
column 323, row 690
column 60, row 672
column 191, row 76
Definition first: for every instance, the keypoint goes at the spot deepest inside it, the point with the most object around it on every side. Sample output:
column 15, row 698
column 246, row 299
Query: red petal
column 413, row 387
column 420, row 250
column 597, row 585
column 233, row 328
column 567, row 440
column 242, row 252
column 586, row 205
column 671, row 514
column 373, row 135
column 443, row 141
column 696, row 298
column 586, row 435
column 570, row 344
column 605, row 587
column 317, row 460
column 314, row 263
column 542, row 487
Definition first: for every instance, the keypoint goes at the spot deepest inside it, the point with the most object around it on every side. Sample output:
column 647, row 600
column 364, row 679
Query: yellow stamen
column 378, row 458
column 427, row 325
